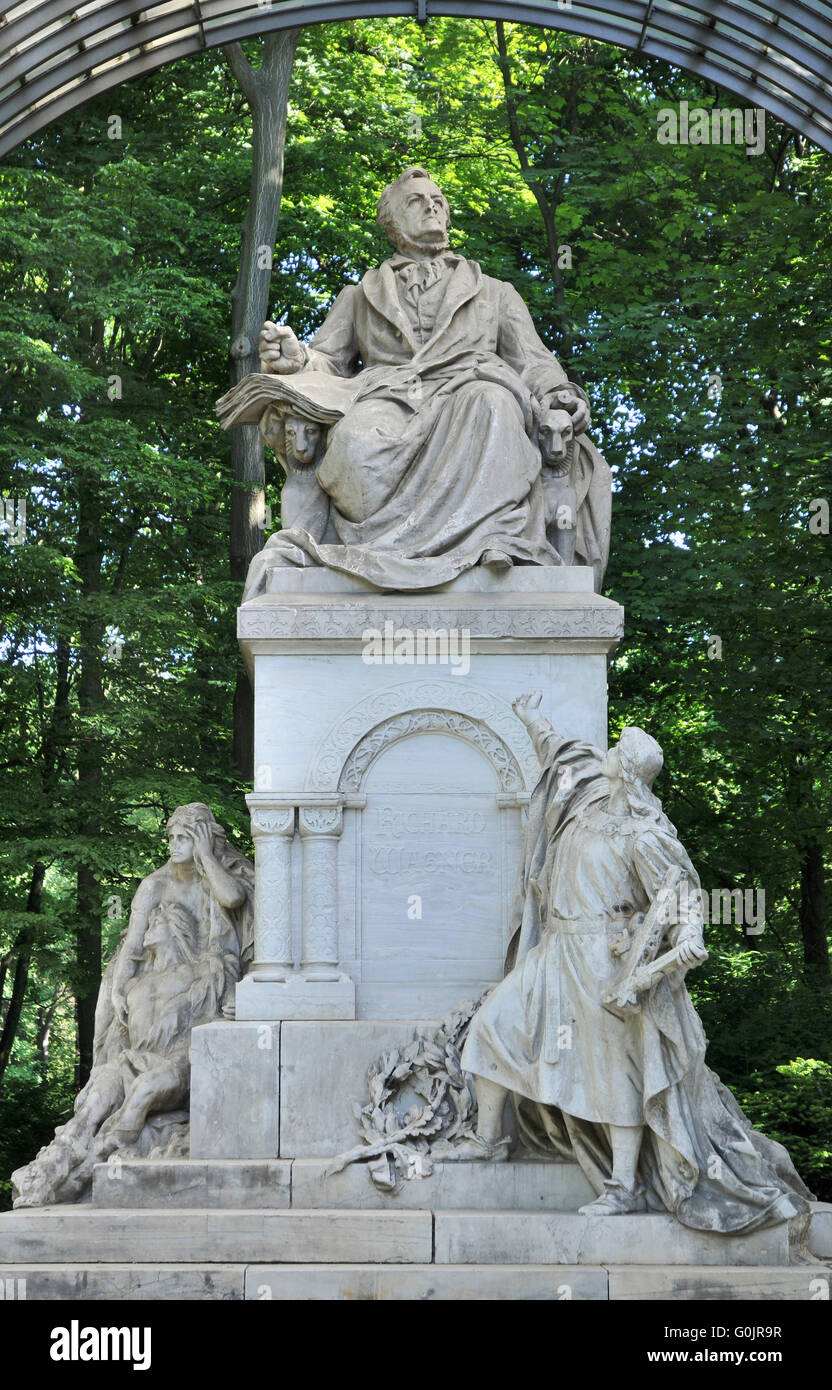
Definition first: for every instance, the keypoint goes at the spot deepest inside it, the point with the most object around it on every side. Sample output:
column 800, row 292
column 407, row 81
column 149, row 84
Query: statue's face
column 302, row 438
column 555, row 435
column 181, row 846
column 420, row 214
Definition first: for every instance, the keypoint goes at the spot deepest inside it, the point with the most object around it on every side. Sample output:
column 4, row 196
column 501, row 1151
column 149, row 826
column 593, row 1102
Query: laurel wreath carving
column 398, row 1147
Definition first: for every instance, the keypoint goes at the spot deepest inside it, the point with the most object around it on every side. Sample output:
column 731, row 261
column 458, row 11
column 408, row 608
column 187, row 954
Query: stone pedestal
column 391, row 777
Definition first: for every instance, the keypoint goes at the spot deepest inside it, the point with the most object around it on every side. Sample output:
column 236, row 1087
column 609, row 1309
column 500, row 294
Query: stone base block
column 235, row 1086
column 227, row 1183
column 563, row 1238
column 269, row 1090
column 85, row 1283
column 85, row 1234
column 295, row 998
column 423, row 1282
column 305, row 1183
column 520, row 1186
column 448, row 1283
column 323, row 1071
column 659, row 1283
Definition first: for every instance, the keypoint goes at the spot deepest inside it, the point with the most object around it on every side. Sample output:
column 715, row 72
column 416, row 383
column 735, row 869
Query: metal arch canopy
column 57, row 54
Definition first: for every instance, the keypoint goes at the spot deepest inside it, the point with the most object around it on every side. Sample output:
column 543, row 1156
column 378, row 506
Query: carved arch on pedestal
column 436, row 706
column 435, row 721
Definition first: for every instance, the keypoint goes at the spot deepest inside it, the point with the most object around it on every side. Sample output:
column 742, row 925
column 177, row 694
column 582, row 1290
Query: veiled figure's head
column 414, row 213
column 636, row 760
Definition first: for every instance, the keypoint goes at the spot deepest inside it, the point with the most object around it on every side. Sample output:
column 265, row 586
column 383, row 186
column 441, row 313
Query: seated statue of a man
column 436, row 387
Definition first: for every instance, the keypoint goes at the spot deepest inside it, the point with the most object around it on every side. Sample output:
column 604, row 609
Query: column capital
column 320, row 821
column 272, row 820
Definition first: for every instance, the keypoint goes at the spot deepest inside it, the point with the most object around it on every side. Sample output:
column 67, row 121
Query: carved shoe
column 472, row 1149
column 615, row 1200
column 497, row 560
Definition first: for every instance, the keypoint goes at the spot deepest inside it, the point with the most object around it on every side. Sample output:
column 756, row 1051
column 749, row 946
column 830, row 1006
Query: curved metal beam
column 55, row 55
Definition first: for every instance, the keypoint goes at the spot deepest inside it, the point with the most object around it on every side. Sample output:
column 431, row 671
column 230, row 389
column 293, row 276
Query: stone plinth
column 522, row 1185
column 235, row 1090
column 269, row 1090
column 388, row 794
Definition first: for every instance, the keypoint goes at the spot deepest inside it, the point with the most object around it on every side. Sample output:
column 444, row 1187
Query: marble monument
column 438, row 1044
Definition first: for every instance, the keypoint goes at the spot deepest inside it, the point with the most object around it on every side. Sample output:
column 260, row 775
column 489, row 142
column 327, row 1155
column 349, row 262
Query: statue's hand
column 527, row 707
column 280, row 351
column 119, row 1007
column 692, row 951
column 567, row 399
column 203, row 843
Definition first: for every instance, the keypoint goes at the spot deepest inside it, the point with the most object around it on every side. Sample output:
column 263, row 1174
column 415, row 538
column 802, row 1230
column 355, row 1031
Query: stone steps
column 305, row 1183
column 87, row 1235
column 387, row 1251
column 422, row 1282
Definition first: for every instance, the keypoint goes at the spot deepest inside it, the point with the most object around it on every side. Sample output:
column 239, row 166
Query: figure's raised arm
column 334, row 349
column 545, row 739
column 228, row 891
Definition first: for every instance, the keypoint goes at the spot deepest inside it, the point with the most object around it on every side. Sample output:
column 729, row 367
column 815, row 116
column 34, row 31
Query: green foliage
column 770, row 1041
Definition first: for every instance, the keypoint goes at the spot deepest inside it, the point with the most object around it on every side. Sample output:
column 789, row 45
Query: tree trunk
column 547, row 207
column 90, row 705
column 53, row 754
column 23, row 949
column 813, row 918
column 266, row 90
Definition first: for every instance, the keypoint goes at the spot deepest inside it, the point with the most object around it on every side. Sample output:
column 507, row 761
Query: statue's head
column 180, row 830
column 636, row 760
column 302, row 438
column 414, row 213
column 171, row 933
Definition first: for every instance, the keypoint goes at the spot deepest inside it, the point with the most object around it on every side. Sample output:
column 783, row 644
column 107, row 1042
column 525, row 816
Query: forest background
column 688, row 288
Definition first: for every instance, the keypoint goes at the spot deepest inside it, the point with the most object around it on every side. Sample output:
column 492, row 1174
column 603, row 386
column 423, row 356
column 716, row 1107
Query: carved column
column 273, row 830
column 320, row 827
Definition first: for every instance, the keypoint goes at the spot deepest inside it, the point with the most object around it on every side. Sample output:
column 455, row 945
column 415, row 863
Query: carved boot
column 615, row 1200
column 472, row 1149
column 497, row 560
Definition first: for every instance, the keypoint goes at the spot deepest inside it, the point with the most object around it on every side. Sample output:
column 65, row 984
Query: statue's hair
column 187, row 817
column 641, row 760
column 386, row 211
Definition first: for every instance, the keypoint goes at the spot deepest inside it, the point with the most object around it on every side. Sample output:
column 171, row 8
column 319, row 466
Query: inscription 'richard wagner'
column 390, row 821
column 386, row 860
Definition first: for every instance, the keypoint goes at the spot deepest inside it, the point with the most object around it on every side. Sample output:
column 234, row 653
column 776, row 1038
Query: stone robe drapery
column 433, row 461
column 573, row 1066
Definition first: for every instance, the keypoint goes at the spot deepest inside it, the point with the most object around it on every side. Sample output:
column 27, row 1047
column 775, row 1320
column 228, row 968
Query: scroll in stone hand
column 643, row 964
